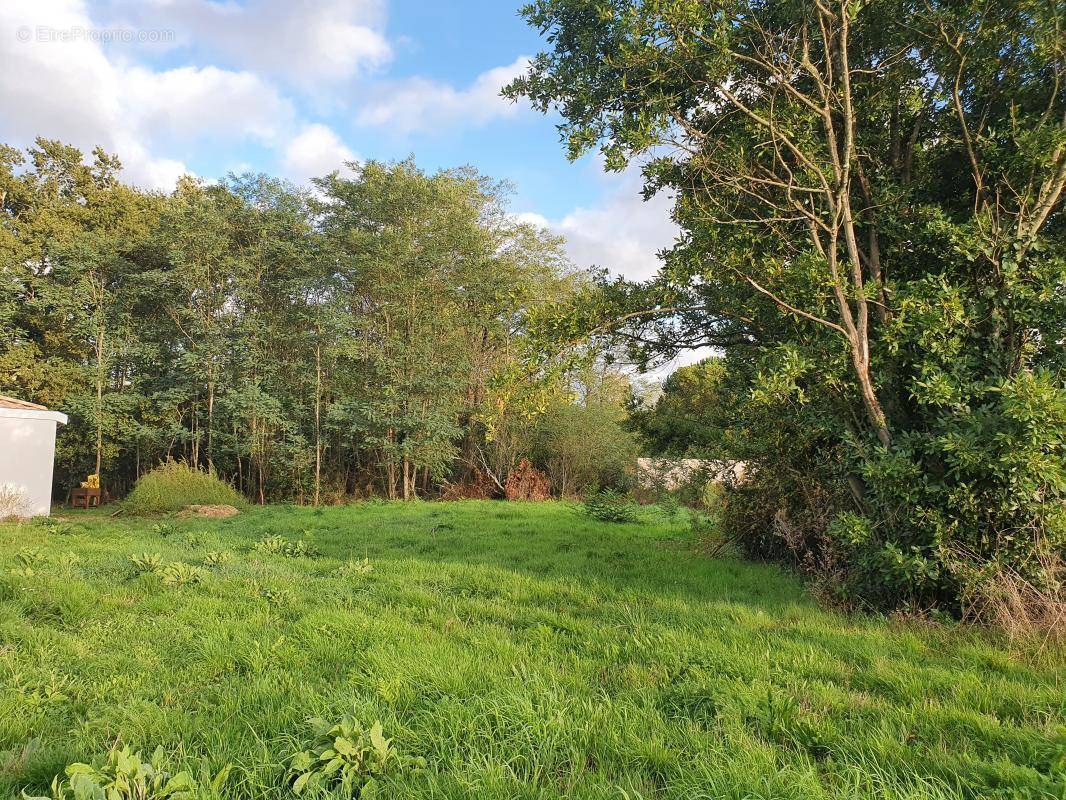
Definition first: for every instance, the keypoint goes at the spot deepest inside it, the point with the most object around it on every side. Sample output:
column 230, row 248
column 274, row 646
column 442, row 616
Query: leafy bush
column 175, row 485
column 346, row 759
column 125, row 776
column 608, row 505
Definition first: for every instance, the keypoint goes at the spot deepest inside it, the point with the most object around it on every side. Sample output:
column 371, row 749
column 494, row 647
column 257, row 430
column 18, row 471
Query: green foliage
column 126, row 776
column 178, row 573
column 217, row 558
column 274, row 335
column 345, row 758
column 146, row 562
column 174, row 573
column 682, row 421
column 56, row 527
column 174, row 485
column 584, row 445
column 610, row 505
column 353, row 568
column 885, row 278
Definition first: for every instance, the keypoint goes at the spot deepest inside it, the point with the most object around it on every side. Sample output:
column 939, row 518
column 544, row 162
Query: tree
column 685, row 419
column 871, row 201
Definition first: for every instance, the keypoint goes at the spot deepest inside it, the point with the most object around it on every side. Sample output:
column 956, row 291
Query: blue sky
column 297, row 87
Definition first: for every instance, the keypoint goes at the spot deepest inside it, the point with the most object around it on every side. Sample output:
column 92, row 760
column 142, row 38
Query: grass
column 522, row 651
column 174, row 485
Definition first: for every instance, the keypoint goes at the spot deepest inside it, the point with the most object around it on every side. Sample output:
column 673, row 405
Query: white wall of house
column 27, row 455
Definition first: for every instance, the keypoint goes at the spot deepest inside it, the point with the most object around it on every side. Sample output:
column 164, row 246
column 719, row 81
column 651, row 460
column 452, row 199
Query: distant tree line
column 368, row 336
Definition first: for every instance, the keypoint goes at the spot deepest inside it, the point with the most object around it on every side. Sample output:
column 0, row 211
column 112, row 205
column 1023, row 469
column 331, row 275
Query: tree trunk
column 99, row 398
column 210, row 417
column 318, row 422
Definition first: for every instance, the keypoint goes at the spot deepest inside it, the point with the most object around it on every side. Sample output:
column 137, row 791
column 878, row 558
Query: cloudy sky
column 297, row 87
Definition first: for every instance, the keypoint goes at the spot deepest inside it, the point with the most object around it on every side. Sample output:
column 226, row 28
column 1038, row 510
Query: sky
column 297, row 88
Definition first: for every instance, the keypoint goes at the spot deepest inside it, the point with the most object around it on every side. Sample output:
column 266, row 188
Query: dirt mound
column 209, row 512
column 526, row 482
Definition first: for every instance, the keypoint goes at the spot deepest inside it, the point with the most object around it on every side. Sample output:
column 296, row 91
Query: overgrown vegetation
column 174, row 485
column 346, row 759
column 521, row 650
column 125, row 775
column 871, row 203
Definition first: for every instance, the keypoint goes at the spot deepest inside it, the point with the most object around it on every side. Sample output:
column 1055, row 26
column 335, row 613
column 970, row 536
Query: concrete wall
column 671, row 474
column 27, row 453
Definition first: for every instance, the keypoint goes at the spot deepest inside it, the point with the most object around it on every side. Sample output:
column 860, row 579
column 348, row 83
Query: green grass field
column 522, row 650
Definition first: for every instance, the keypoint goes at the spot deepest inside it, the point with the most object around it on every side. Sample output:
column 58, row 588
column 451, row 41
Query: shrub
column 174, row 485
column 609, row 505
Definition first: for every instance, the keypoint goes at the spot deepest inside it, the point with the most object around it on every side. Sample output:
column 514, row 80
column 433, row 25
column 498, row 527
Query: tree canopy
column 870, row 195
column 366, row 336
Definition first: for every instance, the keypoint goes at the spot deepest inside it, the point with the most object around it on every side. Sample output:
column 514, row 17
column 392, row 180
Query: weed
column 163, row 529
column 353, row 568
column 178, row 574
column 146, row 562
column 217, row 558
column 276, row 545
column 57, row 527
column 125, row 775
column 346, row 759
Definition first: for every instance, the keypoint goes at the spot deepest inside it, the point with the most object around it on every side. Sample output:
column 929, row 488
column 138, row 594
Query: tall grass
column 522, row 650
column 175, row 485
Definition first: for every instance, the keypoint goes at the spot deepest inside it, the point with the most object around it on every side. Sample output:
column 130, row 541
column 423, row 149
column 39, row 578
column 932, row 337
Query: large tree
column 870, row 194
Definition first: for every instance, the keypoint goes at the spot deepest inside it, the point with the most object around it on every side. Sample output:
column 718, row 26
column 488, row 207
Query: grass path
column 524, row 651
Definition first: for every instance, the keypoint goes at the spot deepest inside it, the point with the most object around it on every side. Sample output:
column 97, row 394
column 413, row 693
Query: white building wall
column 27, row 454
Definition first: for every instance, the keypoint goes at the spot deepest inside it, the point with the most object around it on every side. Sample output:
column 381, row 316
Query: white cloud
column 623, row 232
column 71, row 90
column 423, row 104
column 198, row 101
column 316, row 151
column 300, row 41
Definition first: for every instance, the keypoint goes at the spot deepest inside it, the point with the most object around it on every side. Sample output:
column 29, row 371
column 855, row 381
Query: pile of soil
column 526, row 482
column 209, row 512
